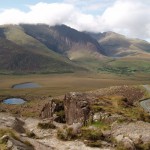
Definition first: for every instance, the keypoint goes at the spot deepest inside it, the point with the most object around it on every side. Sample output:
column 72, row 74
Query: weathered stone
column 99, row 116
column 14, row 144
column 119, row 138
column 9, row 144
column 76, row 127
column 76, row 108
column 128, row 143
column 136, row 131
column 12, row 122
column 4, row 138
column 18, row 125
column 107, row 133
column 48, row 110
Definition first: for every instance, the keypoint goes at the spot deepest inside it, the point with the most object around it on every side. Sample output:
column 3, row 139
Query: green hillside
column 28, row 48
column 117, row 45
column 126, row 66
column 20, row 53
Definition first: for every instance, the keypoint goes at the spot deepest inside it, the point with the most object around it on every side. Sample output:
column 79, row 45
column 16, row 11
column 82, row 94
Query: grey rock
column 14, row 144
column 48, row 110
column 12, row 122
column 136, row 131
column 76, row 108
column 128, row 143
column 4, row 138
column 119, row 138
column 9, row 144
column 76, row 127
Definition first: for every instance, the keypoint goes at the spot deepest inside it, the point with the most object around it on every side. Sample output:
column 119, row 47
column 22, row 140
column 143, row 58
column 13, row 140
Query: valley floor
column 59, row 84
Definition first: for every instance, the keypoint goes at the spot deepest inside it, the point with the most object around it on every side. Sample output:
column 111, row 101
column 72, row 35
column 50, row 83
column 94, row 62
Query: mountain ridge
column 41, row 48
column 117, row 45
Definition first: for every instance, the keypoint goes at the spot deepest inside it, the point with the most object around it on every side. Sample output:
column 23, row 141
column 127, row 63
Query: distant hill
column 117, row 45
column 127, row 56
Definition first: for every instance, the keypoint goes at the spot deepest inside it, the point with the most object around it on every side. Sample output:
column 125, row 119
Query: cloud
column 55, row 13
column 128, row 17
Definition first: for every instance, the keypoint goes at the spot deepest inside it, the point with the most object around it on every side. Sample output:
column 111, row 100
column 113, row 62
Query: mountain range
column 28, row 48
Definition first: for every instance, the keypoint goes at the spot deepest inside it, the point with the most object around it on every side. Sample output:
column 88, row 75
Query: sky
column 128, row 17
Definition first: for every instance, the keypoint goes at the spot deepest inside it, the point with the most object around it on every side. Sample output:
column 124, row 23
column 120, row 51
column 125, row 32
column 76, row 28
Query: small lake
column 14, row 101
column 26, row 85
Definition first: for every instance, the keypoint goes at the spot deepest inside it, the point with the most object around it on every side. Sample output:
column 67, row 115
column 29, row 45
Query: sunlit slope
column 117, row 45
column 22, row 53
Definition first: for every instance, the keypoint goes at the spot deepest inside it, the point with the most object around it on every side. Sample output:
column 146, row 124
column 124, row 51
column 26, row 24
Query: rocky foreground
column 109, row 119
column 130, row 134
column 45, row 139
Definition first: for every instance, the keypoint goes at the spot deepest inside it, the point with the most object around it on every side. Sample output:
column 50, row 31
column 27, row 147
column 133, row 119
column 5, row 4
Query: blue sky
column 128, row 17
column 22, row 4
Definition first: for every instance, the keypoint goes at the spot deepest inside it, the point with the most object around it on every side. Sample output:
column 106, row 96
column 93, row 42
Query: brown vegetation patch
column 131, row 93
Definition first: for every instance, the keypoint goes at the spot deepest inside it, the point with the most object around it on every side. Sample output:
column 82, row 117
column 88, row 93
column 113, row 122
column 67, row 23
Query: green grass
column 100, row 124
column 66, row 134
column 9, row 132
column 20, row 53
column 127, row 66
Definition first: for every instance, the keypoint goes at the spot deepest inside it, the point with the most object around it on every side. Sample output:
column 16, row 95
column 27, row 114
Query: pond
column 14, row 101
column 26, row 85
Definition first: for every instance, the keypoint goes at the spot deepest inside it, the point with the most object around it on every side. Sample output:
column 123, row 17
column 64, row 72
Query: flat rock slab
column 135, row 131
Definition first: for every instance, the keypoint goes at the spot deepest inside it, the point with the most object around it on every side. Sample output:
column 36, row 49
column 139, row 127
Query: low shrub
column 30, row 134
column 96, row 108
column 91, row 134
column 143, row 116
column 8, row 132
column 46, row 125
column 142, row 146
column 66, row 134
column 120, row 146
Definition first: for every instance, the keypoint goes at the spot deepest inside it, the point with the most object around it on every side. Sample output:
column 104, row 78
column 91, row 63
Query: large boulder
column 48, row 110
column 127, row 143
column 77, row 108
column 15, row 144
column 136, row 132
column 11, row 122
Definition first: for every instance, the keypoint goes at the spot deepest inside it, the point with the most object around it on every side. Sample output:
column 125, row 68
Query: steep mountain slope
column 66, row 41
column 20, row 52
column 117, row 45
column 28, row 48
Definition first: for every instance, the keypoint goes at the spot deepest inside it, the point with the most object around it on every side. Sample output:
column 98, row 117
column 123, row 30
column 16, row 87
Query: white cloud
column 130, row 17
column 55, row 13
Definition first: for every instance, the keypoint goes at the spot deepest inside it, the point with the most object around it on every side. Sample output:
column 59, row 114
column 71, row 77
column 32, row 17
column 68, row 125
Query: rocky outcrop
column 76, row 108
column 106, row 117
column 12, row 122
column 131, row 134
column 14, row 144
column 48, row 110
